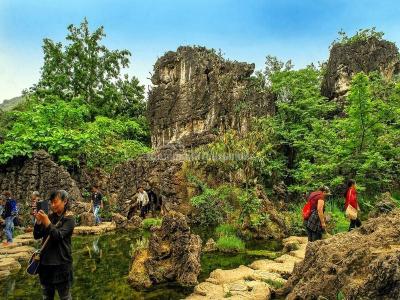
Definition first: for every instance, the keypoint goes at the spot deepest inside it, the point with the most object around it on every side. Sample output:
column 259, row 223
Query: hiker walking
column 315, row 224
column 351, row 206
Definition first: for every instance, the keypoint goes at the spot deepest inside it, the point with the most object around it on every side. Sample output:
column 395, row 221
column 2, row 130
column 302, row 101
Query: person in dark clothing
column 9, row 214
column 315, row 225
column 55, row 270
column 97, row 203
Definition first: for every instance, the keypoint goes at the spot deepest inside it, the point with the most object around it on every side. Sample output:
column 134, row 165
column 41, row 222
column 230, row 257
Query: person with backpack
column 313, row 213
column 351, row 204
column 9, row 213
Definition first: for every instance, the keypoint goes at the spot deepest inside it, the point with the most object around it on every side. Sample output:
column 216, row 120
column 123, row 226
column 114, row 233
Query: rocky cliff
column 198, row 94
column 346, row 60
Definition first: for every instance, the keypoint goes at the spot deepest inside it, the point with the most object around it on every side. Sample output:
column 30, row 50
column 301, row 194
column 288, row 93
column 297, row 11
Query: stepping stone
column 227, row 276
column 209, row 290
column 283, row 269
column 10, row 250
column 261, row 275
column 288, row 259
column 4, row 274
column 9, row 264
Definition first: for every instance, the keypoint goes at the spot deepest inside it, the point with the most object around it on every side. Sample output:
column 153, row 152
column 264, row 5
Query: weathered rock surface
column 359, row 56
column 361, row 264
column 258, row 281
column 123, row 223
column 210, row 246
column 173, row 254
column 86, row 219
column 39, row 173
column 198, row 94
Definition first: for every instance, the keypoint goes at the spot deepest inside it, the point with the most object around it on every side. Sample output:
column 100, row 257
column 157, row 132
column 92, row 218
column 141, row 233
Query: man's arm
column 320, row 209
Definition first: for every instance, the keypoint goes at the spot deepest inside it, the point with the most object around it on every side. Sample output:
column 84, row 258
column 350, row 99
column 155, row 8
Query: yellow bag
column 351, row 212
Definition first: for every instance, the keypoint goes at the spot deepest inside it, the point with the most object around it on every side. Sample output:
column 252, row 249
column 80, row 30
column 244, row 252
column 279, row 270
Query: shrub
column 225, row 230
column 148, row 223
column 230, row 244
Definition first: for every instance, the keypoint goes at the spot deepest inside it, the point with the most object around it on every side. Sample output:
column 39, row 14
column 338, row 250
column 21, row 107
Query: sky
column 248, row 30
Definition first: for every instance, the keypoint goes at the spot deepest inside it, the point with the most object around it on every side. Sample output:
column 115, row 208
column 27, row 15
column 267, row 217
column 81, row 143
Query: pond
column 101, row 267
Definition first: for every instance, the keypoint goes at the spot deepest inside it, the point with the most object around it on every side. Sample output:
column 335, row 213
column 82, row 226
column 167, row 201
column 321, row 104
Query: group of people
column 315, row 223
column 145, row 201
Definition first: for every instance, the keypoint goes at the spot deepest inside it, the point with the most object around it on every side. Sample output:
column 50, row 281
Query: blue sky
column 244, row 30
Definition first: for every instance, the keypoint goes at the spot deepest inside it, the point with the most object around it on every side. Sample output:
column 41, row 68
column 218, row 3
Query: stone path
column 19, row 252
column 255, row 281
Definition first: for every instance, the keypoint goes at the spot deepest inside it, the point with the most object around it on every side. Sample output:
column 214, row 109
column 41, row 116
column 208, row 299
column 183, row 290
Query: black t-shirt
column 96, row 198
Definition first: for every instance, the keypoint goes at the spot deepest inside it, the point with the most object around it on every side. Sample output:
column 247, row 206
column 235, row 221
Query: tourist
column 316, row 223
column 97, row 203
column 9, row 213
column 55, row 270
column 351, row 200
column 142, row 201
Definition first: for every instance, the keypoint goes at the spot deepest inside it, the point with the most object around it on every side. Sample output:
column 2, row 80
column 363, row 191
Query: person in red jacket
column 351, row 199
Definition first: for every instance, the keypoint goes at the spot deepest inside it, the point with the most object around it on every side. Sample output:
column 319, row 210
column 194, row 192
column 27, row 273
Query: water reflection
column 101, row 267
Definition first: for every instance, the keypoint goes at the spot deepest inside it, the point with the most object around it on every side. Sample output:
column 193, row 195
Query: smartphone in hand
column 43, row 205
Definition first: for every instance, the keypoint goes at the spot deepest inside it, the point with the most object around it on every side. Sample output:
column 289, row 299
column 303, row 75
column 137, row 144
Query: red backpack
column 307, row 208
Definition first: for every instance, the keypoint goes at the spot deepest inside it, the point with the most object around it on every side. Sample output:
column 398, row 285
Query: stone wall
column 39, row 173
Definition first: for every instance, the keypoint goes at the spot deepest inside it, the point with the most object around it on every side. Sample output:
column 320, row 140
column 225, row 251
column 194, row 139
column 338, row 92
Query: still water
column 101, row 267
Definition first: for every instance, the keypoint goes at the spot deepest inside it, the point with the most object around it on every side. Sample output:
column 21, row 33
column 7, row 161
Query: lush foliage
column 65, row 131
column 149, row 222
column 82, row 110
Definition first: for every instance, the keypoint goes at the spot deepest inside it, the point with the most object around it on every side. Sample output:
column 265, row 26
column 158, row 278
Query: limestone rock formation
column 39, row 173
column 346, row 60
column 173, row 254
column 361, row 264
column 198, row 94
column 123, row 223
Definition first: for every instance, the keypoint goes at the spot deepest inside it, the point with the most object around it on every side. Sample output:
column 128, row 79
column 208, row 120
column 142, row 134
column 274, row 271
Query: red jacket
column 351, row 198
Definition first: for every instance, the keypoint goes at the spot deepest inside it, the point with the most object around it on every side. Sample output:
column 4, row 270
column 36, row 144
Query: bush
column 230, row 244
column 225, row 230
column 148, row 223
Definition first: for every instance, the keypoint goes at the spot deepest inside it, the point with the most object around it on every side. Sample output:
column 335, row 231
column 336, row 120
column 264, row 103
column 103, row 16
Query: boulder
column 361, row 264
column 173, row 254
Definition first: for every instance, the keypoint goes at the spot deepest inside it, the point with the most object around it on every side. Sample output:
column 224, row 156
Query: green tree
column 86, row 68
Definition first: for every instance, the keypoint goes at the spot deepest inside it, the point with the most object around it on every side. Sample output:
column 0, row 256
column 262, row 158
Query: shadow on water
column 101, row 266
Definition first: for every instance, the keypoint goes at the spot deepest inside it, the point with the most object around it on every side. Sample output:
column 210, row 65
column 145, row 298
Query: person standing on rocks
column 351, row 199
column 97, row 203
column 9, row 213
column 316, row 223
column 143, row 201
column 55, row 270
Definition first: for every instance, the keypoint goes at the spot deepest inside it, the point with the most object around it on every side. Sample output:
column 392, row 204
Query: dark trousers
column 313, row 235
column 354, row 223
column 63, row 290
column 144, row 210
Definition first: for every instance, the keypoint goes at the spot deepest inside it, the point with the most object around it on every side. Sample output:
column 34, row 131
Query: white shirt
column 143, row 198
